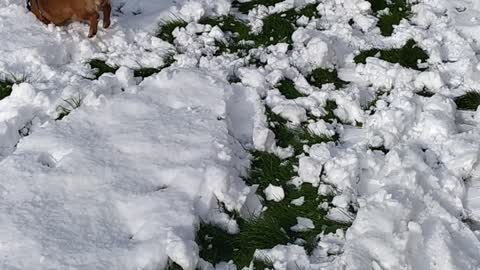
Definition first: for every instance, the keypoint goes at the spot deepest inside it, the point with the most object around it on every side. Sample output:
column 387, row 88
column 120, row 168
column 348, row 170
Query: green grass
column 273, row 226
column 247, row 6
column 69, row 105
column 7, row 82
column 409, row 56
column 166, row 29
column 101, row 67
column 276, row 29
column 270, row 229
column 309, row 11
column 296, row 137
column 5, row 88
column 398, row 10
column 378, row 5
column 288, row 90
column 330, row 107
column 321, row 76
column 469, row 101
column 268, row 169
column 239, row 31
column 147, row 72
column 230, row 24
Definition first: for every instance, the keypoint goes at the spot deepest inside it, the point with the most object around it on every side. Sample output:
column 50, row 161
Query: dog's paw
column 106, row 24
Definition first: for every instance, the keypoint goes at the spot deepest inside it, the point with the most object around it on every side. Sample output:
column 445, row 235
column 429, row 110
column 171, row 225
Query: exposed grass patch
column 321, row 76
column 273, row 226
column 309, row 11
column 379, row 148
column 230, row 24
column 101, row 67
column 69, row 105
column 378, row 5
column 239, row 33
column 469, row 101
column 215, row 244
column 297, row 137
column 166, row 29
column 287, row 88
column 276, row 29
column 5, row 88
column 7, row 82
column 397, row 10
column 409, row 56
column 330, row 107
column 147, row 72
column 425, row 93
column 247, row 6
column 270, row 229
column 268, row 169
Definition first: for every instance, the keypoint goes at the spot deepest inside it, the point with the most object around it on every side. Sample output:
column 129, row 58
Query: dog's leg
column 93, row 18
column 107, row 10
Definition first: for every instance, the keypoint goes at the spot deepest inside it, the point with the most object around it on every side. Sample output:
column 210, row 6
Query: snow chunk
column 309, row 170
column 274, row 193
column 303, row 225
column 299, row 201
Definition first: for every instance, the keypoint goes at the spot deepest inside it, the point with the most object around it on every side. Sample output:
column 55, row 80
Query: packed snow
column 124, row 181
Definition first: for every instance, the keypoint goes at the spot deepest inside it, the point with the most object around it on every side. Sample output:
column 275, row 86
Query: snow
column 303, row 225
column 124, row 180
column 274, row 193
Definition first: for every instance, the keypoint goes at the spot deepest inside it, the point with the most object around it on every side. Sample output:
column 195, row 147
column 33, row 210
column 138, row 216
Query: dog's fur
column 62, row 12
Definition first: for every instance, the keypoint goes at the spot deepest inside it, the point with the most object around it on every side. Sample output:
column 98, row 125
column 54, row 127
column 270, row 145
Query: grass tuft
column 239, row 33
column 321, row 76
column 287, row 88
column 409, row 56
column 147, row 72
column 297, row 137
column 245, row 7
column 425, row 93
column 166, row 29
column 101, row 67
column 215, row 244
column 469, row 101
column 276, row 29
column 397, row 11
column 380, row 148
column 70, row 105
column 330, row 107
column 268, row 169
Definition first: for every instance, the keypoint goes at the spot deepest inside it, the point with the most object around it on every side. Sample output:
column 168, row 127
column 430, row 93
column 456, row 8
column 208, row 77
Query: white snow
column 303, row 225
column 274, row 193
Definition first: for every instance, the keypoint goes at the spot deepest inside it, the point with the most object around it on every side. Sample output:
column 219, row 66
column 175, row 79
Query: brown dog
column 62, row 12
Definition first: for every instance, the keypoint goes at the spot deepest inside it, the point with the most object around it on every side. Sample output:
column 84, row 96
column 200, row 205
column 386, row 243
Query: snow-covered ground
column 124, row 180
